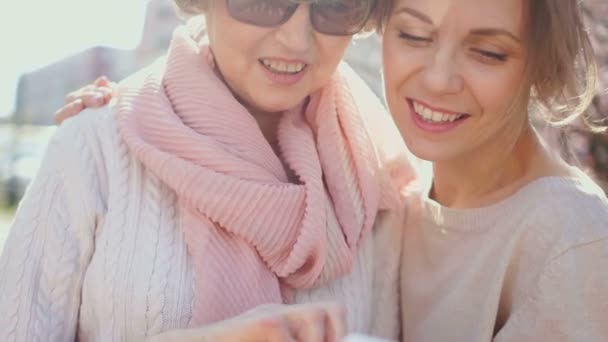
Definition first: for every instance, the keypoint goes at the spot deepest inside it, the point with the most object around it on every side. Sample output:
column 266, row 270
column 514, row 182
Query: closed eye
column 413, row 38
column 490, row 54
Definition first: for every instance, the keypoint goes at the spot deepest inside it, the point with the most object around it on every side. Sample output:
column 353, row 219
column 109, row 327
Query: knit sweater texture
column 531, row 267
column 95, row 252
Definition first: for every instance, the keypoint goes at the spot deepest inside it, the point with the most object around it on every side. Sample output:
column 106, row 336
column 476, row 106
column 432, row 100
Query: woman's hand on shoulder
column 319, row 322
column 97, row 94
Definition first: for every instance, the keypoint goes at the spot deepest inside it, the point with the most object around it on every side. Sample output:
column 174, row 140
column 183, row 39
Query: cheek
column 393, row 71
column 232, row 61
column 397, row 71
column 398, row 66
column 495, row 91
column 231, row 40
column 390, row 65
column 235, row 51
column 331, row 50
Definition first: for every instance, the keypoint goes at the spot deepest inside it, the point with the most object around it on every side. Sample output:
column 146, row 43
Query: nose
column 297, row 33
column 441, row 73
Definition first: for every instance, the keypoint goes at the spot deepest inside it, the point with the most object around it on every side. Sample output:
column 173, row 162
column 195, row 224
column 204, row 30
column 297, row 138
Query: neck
column 268, row 121
column 488, row 174
column 269, row 125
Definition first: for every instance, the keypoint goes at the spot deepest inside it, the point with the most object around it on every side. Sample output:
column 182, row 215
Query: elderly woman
column 244, row 168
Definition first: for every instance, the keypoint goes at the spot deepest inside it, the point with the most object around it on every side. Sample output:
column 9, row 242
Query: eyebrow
column 477, row 32
column 495, row 32
column 415, row 14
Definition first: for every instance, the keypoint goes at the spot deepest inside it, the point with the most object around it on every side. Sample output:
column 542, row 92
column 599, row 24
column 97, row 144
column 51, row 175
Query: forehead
column 506, row 14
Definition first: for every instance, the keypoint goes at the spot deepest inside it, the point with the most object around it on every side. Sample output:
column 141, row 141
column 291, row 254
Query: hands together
column 321, row 322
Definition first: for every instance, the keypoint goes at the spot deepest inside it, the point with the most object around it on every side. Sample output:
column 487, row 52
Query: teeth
column 294, row 68
column 434, row 116
column 427, row 113
column 437, row 117
column 282, row 67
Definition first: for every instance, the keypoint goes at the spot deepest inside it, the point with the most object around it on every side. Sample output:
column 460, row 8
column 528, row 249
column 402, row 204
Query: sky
column 39, row 32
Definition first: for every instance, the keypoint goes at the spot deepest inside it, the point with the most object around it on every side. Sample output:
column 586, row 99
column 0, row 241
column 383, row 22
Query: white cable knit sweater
column 95, row 253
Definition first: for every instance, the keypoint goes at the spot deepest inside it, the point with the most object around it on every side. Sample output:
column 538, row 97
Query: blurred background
column 53, row 47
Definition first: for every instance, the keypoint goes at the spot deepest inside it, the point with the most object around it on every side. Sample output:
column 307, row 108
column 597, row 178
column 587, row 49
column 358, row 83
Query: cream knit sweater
column 95, row 252
column 530, row 268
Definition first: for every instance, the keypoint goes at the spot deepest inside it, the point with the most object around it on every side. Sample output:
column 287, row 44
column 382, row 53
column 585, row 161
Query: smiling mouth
column 435, row 116
column 283, row 68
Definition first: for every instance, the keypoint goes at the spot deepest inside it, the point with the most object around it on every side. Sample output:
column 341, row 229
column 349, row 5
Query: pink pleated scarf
column 252, row 236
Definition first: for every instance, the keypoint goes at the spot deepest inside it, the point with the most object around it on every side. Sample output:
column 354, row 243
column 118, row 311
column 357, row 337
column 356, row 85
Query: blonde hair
column 561, row 70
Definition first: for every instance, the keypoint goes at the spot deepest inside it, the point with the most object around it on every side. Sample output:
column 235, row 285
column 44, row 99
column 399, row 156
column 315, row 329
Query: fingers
column 96, row 98
column 336, row 325
column 105, row 85
column 319, row 322
column 308, row 326
column 100, row 88
column 68, row 111
column 279, row 323
column 75, row 106
column 267, row 330
column 72, row 96
column 323, row 322
column 102, row 81
column 91, row 96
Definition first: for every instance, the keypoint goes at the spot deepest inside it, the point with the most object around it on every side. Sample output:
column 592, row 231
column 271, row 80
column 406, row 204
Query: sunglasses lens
column 341, row 17
column 261, row 12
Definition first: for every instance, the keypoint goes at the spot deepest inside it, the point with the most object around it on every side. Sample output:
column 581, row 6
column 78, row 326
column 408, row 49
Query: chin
column 279, row 105
column 425, row 155
column 430, row 151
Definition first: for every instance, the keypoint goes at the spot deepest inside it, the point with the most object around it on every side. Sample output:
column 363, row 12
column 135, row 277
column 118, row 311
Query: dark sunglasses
column 331, row 17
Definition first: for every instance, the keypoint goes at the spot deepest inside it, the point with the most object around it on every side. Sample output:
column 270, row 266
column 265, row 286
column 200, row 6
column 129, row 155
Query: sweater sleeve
column 386, row 304
column 49, row 246
column 569, row 301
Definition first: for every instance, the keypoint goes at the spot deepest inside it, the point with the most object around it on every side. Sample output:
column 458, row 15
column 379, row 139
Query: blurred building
column 160, row 21
column 41, row 92
column 364, row 55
